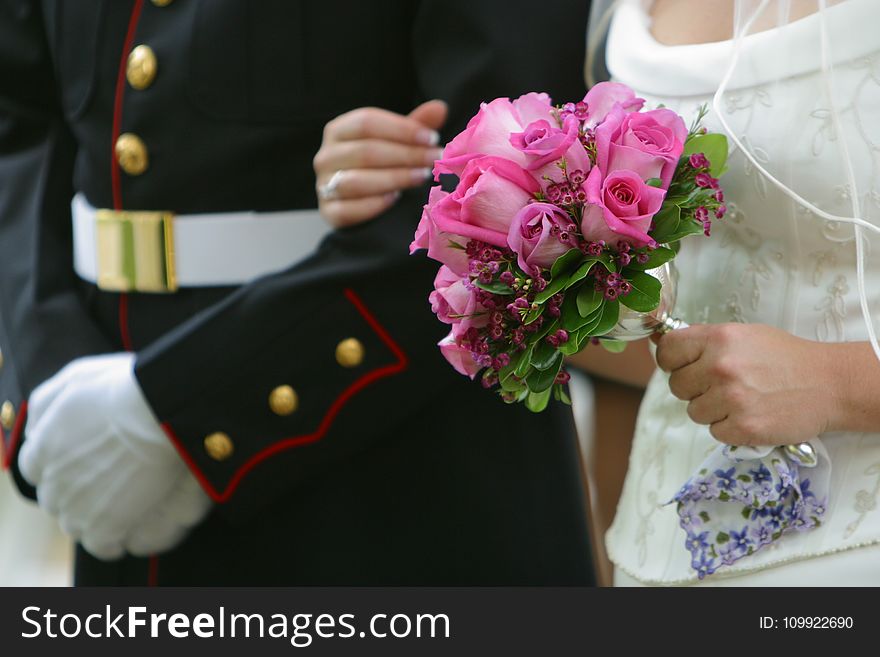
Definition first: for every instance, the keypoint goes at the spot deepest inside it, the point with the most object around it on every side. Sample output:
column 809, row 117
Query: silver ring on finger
column 330, row 191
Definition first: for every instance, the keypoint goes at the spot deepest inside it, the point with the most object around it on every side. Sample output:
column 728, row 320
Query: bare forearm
column 855, row 389
column 634, row 366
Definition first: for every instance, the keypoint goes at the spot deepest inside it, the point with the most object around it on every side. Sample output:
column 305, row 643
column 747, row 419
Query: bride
column 781, row 298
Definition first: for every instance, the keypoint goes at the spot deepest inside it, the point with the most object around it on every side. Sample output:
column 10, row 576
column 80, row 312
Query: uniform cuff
column 287, row 395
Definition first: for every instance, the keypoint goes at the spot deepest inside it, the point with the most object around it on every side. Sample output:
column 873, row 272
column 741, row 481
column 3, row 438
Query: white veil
column 836, row 38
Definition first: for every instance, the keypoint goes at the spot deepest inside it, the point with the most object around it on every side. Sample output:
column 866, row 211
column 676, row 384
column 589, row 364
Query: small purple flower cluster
column 700, row 165
column 580, row 110
column 611, row 284
column 568, row 192
column 502, row 316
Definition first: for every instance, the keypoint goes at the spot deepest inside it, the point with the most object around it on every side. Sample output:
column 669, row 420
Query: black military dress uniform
column 312, row 404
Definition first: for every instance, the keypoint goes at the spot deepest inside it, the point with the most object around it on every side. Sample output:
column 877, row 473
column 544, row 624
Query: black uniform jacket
column 394, row 471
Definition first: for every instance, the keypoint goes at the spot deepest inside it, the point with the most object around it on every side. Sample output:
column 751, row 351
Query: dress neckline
column 636, row 58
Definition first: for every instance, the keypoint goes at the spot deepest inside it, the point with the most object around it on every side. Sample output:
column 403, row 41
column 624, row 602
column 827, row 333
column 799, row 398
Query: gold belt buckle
column 135, row 251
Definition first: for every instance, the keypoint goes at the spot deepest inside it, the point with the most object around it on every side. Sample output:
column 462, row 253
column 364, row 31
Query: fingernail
column 391, row 197
column 433, row 155
column 428, row 137
column 420, row 174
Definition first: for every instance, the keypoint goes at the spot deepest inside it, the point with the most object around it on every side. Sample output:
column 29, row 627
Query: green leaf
column 545, row 330
column 670, row 226
column 543, row 355
column 713, row 146
column 746, row 512
column 588, row 300
column 659, row 256
column 587, row 265
column 560, row 395
column 541, row 380
column 525, row 362
column 666, row 222
column 572, row 346
column 722, row 538
column 571, row 317
column 512, row 384
column 704, row 516
column 565, row 263
column 614, row 346
column 533, row 314
column 554, row 286
column 653, row 182
column 537, row 401
column 608, row 319
column 645, row 294
column 495, row 287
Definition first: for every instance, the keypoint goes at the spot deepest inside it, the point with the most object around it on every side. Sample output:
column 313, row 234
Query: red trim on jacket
column 297, row 441
column 153, row 571
column 15, row 438
column 117, row 103
column 124, row 334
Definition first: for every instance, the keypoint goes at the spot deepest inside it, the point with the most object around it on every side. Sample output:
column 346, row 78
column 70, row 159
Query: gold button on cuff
column 219, row 446
column 131, row 153
column 350, row 352
column 161, row 3
column 141, row 68
column 7, row 415
column 283, row 400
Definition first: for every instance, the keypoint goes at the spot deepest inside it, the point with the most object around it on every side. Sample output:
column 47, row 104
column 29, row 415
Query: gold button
column 283, row 400
column 131, row 153
column 350, row 352
column 219, row 446
column 161, row 3
column 7, row 415
column 141, row 68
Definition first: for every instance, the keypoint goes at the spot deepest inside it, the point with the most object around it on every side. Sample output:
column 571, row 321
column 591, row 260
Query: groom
column 258, row 415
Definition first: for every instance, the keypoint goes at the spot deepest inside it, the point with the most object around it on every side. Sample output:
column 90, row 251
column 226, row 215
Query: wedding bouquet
column 558, row 218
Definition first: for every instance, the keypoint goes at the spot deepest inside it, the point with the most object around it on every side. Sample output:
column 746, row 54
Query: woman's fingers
column 373, row 154
column 360, row 183
column 344, row 213
column 708, row 408
column 689, row 382
column 375, row 123
column 682, row 347
column 431, row 114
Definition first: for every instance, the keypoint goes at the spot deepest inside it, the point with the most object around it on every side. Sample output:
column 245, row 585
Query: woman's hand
column 369, row 155
column 755, row 384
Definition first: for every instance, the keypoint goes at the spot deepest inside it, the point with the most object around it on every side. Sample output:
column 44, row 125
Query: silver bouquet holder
column 633, row 325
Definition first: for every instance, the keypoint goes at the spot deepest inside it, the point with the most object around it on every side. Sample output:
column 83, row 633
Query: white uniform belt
column 122, row 251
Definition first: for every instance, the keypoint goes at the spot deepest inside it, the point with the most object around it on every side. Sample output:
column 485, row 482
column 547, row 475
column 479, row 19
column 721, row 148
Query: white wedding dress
column 769, row 261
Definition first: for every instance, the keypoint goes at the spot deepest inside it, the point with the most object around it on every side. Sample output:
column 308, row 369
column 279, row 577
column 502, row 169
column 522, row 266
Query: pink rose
column 537, row 234
column 455, row 302
column 459, row 357
column 648, row 143
column 602, row 97
column 488, row 133
column 489, row 194
column 543, row 143
column 440, row 245
column 620, row 207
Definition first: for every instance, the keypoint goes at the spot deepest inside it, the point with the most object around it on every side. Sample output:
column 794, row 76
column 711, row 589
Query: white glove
column 102, row 464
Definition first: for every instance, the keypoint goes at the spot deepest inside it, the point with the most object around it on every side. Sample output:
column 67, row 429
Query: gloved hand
column 102, row 464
